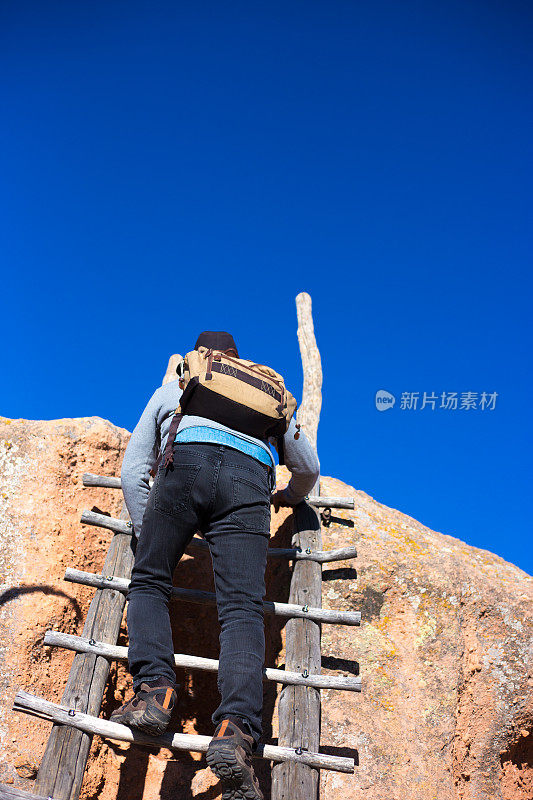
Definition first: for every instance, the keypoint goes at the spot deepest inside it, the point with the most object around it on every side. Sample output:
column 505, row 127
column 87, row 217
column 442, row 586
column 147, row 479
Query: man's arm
column 302, row 460
column 139, row 459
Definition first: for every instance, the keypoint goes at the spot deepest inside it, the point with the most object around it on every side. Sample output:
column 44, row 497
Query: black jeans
column 225, row 494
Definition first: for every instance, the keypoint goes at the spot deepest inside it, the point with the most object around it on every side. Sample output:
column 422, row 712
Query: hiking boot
column 150, row 708
column 229, row 756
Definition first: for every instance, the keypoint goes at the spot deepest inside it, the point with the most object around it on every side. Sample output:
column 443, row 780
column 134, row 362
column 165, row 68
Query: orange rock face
column 41, row 497
column 444, row 652
column 444, row 649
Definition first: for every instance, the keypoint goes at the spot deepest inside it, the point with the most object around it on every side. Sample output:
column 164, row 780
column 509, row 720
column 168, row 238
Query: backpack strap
column 168, row 454
column 174, row 423
column 281, row 449
column 169, row 446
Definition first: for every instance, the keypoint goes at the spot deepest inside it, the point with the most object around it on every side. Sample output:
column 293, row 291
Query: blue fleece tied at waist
column 205, row 434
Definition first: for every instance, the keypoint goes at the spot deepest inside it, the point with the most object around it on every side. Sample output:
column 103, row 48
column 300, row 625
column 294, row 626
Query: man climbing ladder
column 216, row 479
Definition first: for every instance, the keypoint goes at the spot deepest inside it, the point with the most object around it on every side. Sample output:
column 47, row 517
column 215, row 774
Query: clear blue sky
column 174, row 167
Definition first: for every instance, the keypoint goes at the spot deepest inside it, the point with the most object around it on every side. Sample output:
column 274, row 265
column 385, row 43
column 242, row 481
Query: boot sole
column 236, row 778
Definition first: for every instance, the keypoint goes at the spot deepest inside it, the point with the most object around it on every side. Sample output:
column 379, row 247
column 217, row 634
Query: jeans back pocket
column 251, row 505
column 172, row 490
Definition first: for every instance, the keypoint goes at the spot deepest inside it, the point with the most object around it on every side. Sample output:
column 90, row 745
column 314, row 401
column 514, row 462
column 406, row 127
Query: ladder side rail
column 299, row 706
column 63, row 765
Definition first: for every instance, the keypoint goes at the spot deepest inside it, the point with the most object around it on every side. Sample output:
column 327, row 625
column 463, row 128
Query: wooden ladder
column 296, row 759
column 76, row 718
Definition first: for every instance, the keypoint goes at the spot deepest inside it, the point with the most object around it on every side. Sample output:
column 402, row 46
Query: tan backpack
column 248, row 397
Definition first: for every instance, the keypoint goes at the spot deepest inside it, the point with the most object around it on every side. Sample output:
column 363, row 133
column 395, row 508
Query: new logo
column 384, row 400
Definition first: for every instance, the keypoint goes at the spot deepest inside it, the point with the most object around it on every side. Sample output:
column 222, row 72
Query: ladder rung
column 111, row 482
column 82, row 644
column 331, row 616
column 322, row 556
column 105, row 481
column 8, row 792
column 330, row 502
column 31, row 704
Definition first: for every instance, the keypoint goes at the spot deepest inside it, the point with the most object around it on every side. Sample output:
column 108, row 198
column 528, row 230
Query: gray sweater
column 151, row 433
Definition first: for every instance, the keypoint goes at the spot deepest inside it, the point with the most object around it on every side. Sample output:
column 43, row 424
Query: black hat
column 218, row 340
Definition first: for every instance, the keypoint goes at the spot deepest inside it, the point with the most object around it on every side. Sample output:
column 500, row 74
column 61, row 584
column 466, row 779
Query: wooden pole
column 170, row 374
column 308, row 412
column 24, row 701
column 111, row 482
column 299, row 706
column 13, row 793
column 119, row 526
column 297, row 609
column 331, row 502
column 61, row 772
column 81, row 644
column 108, row 481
